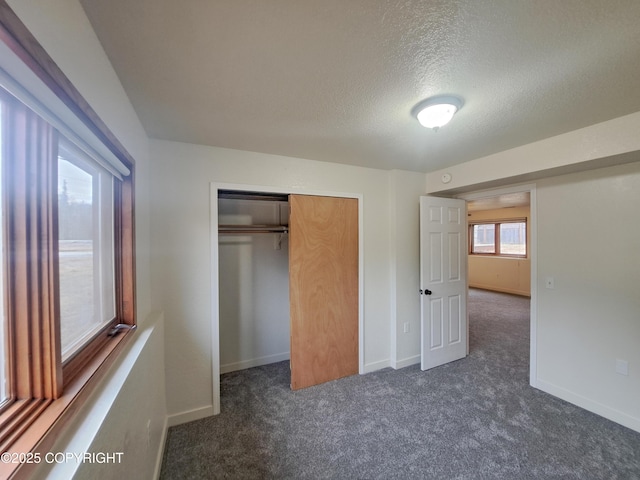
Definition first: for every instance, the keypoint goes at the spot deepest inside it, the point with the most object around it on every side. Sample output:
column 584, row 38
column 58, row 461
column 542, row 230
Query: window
column 513, row 238
column 504, row 238
column 85, row 248
column 484, row 238
column 67, row 244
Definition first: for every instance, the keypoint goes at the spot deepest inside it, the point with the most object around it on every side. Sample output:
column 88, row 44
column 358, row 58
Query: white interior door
column 443, row 280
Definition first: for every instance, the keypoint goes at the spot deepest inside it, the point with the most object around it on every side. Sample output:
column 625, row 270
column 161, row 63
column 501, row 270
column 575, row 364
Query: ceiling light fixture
column 435, row 112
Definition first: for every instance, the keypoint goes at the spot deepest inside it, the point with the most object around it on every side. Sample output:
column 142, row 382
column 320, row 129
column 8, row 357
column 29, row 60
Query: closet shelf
column 249, row 229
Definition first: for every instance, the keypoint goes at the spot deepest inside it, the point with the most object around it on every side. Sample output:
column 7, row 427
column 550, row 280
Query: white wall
column 604, row 144
column 254, row 286
column 181, row 268
column 588, row 240
column 64, row 31
column 126, row 413
column 405, row 189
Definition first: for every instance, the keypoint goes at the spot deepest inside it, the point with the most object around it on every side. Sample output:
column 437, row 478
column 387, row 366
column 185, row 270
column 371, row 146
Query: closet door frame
column 215, row 277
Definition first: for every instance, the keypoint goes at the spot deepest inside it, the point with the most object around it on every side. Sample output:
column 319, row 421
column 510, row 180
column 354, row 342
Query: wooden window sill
column 49, row 418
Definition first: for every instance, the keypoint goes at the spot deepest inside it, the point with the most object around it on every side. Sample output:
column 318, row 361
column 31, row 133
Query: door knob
column 425, row 292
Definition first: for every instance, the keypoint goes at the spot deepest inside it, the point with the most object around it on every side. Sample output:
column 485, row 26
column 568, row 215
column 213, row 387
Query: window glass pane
column 484, row 238
column 85, row 219
column 513, row 238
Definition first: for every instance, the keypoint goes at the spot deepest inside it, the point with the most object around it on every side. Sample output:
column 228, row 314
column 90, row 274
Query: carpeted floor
column 476, row 418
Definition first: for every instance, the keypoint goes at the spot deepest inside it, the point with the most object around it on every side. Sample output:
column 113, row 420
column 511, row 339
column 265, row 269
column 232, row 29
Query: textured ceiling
column 336, row 80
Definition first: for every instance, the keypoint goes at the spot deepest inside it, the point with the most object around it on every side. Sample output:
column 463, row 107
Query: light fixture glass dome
column 437, row 111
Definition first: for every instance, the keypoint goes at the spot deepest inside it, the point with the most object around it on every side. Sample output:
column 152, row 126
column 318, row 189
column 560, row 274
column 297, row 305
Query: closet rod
column 247, row 229
column 244, row 195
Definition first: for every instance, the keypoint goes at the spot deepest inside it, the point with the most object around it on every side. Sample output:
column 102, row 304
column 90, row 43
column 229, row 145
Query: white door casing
column 532, row 249
column 443, row 280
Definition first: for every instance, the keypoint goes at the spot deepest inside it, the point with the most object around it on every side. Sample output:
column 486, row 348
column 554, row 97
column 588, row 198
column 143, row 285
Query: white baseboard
column 254, row 362
column 372, row 367
column 406, row 362
column 189, row 416
column 590, row 405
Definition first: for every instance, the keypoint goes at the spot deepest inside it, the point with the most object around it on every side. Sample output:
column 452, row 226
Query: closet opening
column 253, row 262
column 287, row 283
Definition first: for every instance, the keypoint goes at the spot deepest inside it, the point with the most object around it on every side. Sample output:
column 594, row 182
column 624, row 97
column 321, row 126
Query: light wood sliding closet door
column 323, row 288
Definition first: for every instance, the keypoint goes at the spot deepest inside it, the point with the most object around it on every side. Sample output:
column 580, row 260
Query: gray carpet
column 476, row 418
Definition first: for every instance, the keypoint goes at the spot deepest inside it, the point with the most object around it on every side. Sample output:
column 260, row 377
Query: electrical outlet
column 406, row 327
column 550, row 282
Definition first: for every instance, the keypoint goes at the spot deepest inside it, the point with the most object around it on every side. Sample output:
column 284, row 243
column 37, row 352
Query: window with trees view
column 67, row 242
column 505, row 238
column 85, row 248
